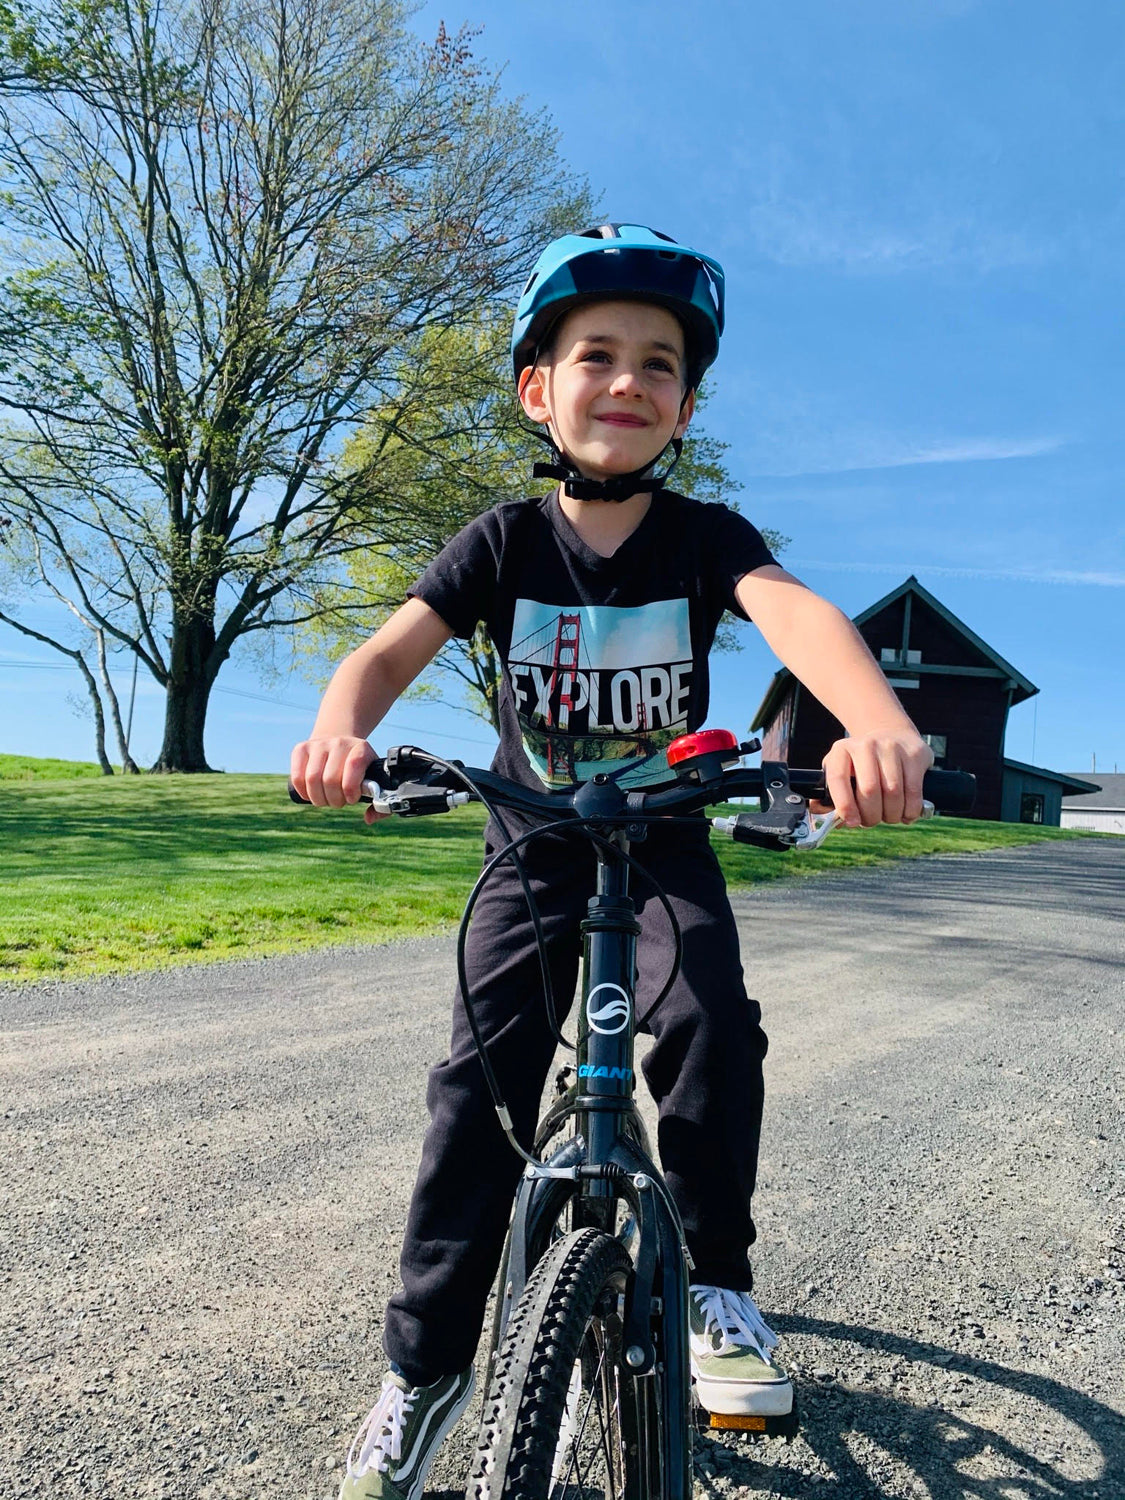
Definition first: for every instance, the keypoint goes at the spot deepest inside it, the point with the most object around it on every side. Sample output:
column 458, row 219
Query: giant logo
column 608, row 1014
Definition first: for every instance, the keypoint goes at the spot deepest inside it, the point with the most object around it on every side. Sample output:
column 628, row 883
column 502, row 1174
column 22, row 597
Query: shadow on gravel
column 1027, row 1453
column 1047, row 877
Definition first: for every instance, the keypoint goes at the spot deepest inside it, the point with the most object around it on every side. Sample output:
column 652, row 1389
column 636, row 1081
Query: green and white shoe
column 396, row 1444
column 731, row 1364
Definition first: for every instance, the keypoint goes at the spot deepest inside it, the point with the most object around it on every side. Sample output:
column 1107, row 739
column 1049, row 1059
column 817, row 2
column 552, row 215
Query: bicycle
column 590, row 1387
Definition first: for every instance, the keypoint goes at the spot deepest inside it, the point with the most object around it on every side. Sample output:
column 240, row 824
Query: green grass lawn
column 115, row 873
column 32, row 768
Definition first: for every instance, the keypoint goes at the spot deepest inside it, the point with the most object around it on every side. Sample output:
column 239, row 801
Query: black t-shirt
column 604, row 658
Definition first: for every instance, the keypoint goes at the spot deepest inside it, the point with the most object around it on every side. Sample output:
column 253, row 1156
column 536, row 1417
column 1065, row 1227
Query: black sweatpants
column 704, row 1071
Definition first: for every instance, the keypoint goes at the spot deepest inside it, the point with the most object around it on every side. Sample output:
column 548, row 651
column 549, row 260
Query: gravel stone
column 204, row 1174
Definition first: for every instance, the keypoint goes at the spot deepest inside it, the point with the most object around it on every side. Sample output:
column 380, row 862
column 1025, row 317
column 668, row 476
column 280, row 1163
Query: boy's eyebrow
column 608, row 338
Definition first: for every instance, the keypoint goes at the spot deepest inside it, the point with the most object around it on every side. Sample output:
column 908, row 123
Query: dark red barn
column 955, row 687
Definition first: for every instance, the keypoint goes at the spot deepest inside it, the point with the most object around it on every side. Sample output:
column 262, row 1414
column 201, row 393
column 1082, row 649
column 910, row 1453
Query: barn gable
column 956, row 688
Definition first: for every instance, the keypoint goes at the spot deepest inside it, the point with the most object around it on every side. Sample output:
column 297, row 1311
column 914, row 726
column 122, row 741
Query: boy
column 628, row 581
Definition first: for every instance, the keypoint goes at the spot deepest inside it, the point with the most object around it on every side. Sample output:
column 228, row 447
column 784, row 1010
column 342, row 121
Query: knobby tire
column 565, row 1418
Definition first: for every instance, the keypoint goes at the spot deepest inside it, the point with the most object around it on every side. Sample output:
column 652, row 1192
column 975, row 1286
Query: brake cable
column 587, row 828
column 529, row 896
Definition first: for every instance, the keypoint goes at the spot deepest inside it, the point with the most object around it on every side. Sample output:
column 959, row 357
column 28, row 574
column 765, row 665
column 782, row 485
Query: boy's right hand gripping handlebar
column 786, row 822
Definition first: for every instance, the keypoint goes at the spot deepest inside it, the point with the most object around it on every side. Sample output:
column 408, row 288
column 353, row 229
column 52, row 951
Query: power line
column 306, row 708
column 41, row 666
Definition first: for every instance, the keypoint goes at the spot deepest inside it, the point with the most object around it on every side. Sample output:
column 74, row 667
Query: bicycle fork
column 607, row 1162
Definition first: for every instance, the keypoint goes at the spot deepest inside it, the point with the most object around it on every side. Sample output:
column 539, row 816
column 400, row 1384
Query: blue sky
column 920, row 207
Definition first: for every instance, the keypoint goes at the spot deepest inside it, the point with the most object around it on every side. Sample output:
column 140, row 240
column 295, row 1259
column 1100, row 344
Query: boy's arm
column 884, row 753
column 328, row 767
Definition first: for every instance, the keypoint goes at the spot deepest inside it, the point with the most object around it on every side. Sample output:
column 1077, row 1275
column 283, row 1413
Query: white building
column 1103, row 811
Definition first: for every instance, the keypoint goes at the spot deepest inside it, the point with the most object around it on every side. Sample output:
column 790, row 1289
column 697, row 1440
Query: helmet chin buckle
column 621, row 487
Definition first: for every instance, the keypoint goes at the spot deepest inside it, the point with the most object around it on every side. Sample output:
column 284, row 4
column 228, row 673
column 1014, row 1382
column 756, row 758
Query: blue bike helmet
column 623, row 262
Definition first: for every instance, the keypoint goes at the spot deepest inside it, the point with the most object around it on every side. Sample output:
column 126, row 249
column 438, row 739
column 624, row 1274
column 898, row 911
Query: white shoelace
column 734, row 1319
column 379, row 1440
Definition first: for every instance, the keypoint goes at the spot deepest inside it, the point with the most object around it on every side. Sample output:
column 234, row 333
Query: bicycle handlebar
column 421, row 783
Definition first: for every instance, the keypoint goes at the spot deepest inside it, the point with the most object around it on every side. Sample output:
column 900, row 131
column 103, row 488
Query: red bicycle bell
column 701, row 756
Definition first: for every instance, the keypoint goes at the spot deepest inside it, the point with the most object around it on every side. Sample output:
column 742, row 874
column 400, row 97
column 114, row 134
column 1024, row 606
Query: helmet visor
column 629, row 273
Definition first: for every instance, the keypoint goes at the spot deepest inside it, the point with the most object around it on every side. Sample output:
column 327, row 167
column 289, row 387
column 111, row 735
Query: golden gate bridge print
column 557, row 649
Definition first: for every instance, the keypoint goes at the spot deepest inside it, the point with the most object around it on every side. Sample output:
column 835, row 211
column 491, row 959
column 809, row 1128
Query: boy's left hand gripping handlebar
column 375, row 772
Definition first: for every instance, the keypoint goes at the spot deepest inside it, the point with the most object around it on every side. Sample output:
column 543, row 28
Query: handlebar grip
column 375, row 772
column 950, row 791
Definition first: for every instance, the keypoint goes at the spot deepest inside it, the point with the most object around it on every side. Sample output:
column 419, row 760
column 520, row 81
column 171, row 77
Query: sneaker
column 731, row 1345
column 395, row 1446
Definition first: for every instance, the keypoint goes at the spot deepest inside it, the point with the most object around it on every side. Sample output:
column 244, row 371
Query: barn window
column 1031, row 807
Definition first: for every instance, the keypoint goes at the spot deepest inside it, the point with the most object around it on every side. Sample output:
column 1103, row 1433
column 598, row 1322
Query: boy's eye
column 656, row 362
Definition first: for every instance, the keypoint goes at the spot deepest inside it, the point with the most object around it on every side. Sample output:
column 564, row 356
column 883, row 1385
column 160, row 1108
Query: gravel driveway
column 204, row 1173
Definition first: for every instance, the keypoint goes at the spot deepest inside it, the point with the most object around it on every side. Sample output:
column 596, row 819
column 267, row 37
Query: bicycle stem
column 607, row 1022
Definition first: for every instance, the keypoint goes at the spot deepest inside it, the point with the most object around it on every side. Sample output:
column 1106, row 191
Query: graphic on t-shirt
column 599, row 688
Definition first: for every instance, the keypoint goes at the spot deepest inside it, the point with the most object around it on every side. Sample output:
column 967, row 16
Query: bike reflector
column 703, row 742
column 736, row 1420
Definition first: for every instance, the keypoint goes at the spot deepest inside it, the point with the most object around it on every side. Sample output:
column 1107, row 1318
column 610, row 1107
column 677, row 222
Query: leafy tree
column 228, row 224
column 457, row 447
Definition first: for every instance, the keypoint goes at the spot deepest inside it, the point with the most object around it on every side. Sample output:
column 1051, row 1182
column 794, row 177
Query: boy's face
column 613, row 390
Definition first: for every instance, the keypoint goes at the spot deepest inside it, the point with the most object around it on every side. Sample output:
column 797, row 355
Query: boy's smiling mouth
column 622, row 419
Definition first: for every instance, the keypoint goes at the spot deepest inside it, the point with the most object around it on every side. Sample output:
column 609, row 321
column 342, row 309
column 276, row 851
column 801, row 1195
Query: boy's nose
column 626, row 383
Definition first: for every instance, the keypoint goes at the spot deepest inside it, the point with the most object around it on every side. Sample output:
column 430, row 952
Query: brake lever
column 811, row 832
column 411, row 799
column 781, row 819
column 786, row 822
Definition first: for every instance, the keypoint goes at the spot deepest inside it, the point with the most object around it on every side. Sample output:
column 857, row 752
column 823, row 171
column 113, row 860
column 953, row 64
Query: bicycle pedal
column 784, row 1425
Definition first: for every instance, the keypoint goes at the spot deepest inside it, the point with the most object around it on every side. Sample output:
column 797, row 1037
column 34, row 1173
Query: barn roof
column 1110, row 795
column 1024, row 687
column 1065, row 779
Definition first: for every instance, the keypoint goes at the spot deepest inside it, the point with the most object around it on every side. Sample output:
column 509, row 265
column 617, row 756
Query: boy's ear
column 687, row 411
column 533, row 393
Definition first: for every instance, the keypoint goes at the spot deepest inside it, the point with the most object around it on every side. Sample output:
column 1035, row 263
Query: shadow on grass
column 176, row 836
column 953, row 1456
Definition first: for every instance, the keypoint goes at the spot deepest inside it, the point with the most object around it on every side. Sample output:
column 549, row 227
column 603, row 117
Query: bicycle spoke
column 592, row 1465
column 610, row 1408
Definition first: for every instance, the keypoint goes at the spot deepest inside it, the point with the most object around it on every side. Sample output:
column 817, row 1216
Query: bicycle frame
column 607, row 1161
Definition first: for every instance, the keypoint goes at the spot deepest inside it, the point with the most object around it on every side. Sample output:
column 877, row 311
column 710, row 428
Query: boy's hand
column 328, row 772
column 887, row 768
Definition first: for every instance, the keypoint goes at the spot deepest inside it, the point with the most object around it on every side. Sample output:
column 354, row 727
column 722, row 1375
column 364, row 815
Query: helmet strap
column 621, row 487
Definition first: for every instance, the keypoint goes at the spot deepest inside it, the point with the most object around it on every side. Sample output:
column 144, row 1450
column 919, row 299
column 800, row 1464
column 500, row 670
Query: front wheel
column 565, row 1418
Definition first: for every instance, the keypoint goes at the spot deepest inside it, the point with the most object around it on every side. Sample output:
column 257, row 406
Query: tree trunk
column 91, row 685
column 99, row 715
column 128, row 764
column 486, row 666
column 194, row 669
column 185, row 714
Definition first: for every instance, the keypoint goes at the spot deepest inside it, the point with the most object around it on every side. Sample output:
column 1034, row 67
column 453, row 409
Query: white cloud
column 1089, row 577
column 845, row 453
column 794, row 228
column 978, row 450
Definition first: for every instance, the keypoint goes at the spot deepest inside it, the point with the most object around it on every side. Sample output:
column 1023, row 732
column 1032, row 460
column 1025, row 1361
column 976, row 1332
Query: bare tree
column 77, row 636
column 227, row 223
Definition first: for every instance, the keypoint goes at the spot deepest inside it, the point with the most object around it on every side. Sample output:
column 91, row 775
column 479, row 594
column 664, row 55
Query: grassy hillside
column 32, row 768
column 141, row 872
